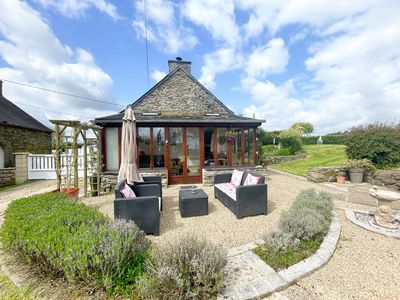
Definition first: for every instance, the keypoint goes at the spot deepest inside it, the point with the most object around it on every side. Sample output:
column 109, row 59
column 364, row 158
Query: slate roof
column 222, row 118
column 10, row 114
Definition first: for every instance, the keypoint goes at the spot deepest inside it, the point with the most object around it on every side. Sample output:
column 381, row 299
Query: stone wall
column 209, row 173
column 179, row 95
column 325, row 174
column 7, row 176
column 16, row 139
column 269, row 160
column 109, row 179
column 388, row 178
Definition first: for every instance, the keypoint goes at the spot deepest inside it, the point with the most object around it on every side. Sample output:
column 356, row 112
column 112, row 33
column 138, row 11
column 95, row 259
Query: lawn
column 317, row 156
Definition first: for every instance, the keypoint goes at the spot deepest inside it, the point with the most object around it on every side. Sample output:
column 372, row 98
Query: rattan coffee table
column 193, row 203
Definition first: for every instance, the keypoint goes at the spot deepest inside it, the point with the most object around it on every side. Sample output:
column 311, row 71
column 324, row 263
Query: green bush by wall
column 380, row 143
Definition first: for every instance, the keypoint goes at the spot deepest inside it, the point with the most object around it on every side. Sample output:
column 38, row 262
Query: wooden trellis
column 81, row 129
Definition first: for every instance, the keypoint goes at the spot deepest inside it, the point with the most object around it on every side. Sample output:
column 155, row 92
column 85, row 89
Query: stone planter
column 356, row 175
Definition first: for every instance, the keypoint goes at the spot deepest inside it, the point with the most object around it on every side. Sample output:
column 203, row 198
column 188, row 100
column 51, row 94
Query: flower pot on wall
column 340, row 179
column 356, row 175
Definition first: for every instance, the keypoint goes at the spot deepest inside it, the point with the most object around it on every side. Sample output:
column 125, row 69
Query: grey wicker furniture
column 153, row 180
column 243, row 200
column 144, row 209
column 193, row 203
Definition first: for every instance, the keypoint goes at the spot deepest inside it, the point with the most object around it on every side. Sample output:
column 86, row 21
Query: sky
column 335, row 64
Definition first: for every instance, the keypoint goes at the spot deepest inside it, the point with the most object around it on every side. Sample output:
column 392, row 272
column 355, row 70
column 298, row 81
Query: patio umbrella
column 128, row 169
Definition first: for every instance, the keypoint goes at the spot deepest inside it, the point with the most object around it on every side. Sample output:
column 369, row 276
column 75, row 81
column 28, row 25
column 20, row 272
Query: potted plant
column 357, row 168
column 341, row 177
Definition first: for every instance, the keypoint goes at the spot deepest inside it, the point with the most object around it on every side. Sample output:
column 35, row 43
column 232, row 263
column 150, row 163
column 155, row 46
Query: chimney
column 186, row 65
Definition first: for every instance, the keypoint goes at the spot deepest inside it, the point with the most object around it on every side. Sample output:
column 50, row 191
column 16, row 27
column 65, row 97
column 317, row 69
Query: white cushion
column 250, row 180
column 236, row 178
column 227, row 188
column 127, row 192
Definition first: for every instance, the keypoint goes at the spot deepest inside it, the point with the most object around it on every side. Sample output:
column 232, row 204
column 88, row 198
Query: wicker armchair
column 243, row 200
column 153, row 180
column 144, row 209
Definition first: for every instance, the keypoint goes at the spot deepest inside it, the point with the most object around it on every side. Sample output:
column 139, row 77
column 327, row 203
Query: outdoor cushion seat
column 242, row 200
column 144, row 209
column 152, row 180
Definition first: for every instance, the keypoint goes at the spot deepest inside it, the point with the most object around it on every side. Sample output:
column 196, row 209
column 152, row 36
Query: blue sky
column 335, row 64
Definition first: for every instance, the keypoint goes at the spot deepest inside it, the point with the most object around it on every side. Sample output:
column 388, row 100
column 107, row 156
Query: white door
column 1, row 158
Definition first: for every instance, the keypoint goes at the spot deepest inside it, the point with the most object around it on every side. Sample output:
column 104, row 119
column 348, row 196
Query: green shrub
column 380, row 143
column 267, row 137
column 301, row 230
column 280, row 241
column 303, row 223
column 283, row 152
column 320, row 202
column 188, row 268
column 290, row 139
column 359, row 164
column 66, row 239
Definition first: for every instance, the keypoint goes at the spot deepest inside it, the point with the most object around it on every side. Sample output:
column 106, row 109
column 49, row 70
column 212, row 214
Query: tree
column 303, row 127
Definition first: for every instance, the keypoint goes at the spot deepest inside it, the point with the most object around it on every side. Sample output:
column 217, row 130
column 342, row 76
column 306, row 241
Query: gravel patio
column 365, row 265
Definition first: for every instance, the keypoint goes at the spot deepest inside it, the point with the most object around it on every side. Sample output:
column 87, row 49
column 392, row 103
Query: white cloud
column 222, row 60
column 79, row 8
column 36, row 56
column 164, row 29
column 157, row 75
column 218, row 17
column 269, row 59
column 353, row 65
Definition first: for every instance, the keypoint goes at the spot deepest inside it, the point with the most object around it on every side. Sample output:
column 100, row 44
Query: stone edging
column 350, row 215
column 259, row 280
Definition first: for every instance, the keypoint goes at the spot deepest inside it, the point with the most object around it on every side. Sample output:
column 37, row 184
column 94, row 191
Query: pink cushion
column 127, row 192
column 250, row 179
column 236, row 178
column 228, row 188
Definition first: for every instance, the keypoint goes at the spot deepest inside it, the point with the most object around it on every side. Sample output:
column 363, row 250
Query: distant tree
column 303, row 127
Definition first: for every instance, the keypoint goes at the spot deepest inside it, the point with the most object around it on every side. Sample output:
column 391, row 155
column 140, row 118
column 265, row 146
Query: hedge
column 379, row 143
column 329, row 139
column 71, row 240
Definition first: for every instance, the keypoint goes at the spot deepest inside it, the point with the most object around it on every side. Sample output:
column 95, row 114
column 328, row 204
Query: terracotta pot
column 340, row 179
column 71, row 192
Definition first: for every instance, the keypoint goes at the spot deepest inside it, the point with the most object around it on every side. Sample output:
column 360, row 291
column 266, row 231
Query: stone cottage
column 20, row 132
column 183, row 131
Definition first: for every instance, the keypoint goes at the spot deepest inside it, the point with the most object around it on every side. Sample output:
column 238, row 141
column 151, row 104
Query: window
column 209, row 146
column 221, row 147
column 159, row 144
column 248, row 146
column 143, row 141
column 236, row 142
column 193, row 151
column 112, row 149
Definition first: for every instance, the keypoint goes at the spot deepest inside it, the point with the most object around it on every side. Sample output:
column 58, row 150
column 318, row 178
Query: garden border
column 261, row 280
column 351, row 217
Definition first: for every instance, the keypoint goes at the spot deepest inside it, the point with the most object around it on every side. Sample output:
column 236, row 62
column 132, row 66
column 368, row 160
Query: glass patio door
column 184, row 161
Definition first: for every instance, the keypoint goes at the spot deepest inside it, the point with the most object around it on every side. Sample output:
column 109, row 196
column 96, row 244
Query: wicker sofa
column 144, row 209
column 242, row 200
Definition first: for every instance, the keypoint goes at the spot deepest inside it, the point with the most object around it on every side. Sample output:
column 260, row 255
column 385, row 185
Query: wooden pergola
column 79, row 129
